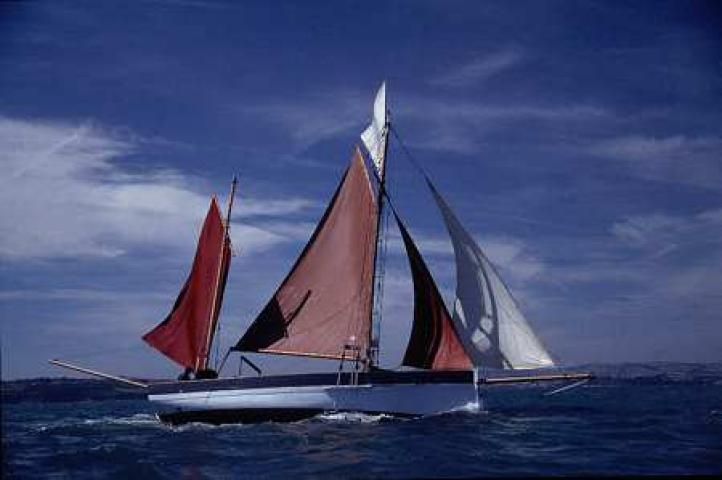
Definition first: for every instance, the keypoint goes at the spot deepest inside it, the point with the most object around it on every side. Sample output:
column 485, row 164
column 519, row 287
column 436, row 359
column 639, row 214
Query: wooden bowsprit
column 537, row 378
column 96, row 373
column 577, row 379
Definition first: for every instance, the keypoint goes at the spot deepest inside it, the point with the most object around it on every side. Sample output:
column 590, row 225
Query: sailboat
column 329, row 306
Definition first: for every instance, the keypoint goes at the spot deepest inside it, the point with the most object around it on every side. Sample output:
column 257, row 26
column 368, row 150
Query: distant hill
column 65, row 390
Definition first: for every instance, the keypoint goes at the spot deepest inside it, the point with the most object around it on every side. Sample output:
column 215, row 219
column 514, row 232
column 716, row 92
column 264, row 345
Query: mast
column 202, row 363
column 379, row 258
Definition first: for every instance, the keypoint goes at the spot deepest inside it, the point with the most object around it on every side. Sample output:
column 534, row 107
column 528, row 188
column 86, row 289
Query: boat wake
column 354, row 417
column 139, row 419
column 470, row 407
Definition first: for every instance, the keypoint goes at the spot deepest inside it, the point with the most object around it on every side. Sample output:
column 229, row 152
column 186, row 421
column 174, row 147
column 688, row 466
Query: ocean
column 635, row 419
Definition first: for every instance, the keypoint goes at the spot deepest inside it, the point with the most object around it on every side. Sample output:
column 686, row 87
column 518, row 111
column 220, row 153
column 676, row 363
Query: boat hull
column 226, row 401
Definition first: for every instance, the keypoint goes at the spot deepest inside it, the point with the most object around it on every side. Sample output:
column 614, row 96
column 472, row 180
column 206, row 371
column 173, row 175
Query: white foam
column 354, row 417
column 470, row 407
column 137, row 419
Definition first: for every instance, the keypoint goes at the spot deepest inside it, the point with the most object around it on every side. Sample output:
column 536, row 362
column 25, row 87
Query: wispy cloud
column 78, row 295
column 263, row 235
column 479, row 69
column 684, row 159
column 648, row 254
column 660, row 233
column 255, row 207
column 65, row 193
column 512, row 255
column 462, row 127
column 314, row 118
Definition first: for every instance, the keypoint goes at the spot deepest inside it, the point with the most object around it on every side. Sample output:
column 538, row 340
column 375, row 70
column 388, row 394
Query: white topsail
column 374, row 137
column 493, row 330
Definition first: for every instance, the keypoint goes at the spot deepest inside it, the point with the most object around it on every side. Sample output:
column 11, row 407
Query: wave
column 138, row 419
column 354, row 417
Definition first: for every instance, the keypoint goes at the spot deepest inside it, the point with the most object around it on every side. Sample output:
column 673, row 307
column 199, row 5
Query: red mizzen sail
column 434, row 343
column 184, row 334
column 325, row 301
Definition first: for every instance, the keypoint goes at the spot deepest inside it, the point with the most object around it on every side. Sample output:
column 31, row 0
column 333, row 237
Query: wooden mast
column 202, row 363
column 376, row 306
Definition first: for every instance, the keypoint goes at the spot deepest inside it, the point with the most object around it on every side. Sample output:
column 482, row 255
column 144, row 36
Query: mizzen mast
column 219, row 285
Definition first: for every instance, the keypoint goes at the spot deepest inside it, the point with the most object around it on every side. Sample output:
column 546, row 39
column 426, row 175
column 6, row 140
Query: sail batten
column 324, row 302
column 491, row 325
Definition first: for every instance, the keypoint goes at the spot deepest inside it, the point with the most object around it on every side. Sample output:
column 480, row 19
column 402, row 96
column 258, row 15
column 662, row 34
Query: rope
column 568, row 229
column 409, row 157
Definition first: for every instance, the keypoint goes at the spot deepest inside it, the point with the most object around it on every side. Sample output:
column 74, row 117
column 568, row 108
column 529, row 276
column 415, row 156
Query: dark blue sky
column 579, row 141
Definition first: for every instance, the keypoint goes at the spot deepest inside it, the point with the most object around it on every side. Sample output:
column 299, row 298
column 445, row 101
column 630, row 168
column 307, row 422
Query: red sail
column 183, row 335
column 434, row 343
column 325, row 301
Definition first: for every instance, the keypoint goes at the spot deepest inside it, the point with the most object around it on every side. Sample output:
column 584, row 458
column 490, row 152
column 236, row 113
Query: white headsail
column 491, row 326
column 374, row 137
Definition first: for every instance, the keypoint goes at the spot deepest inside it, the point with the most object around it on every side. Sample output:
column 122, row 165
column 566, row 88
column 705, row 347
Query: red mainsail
column 325, row 301
column 434, row 343
column 184, row 334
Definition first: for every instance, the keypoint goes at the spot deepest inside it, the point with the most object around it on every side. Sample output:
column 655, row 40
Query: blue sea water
column 666, row 420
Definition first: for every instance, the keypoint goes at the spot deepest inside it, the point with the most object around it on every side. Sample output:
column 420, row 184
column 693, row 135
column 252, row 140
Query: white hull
column 399, row 399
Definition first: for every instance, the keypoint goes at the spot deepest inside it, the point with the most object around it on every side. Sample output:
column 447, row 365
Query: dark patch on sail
column 433, row 343
column 336, row 266
column 270, row 326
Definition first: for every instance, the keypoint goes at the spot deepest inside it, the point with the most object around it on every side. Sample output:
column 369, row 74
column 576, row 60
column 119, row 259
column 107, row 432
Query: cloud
column 479, row 69
column 262, row 236
column 444, row 125
column 650, row 285
column 461, row 127
column 660, row 234
column 255, row 207
column 655, row 265
column 65, row 193
column 695, row 161
column 315, row 118
column 511, row 255
column 77, row 294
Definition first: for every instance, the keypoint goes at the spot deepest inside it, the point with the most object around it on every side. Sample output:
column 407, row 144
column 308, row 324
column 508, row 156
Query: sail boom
column 301, row 354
